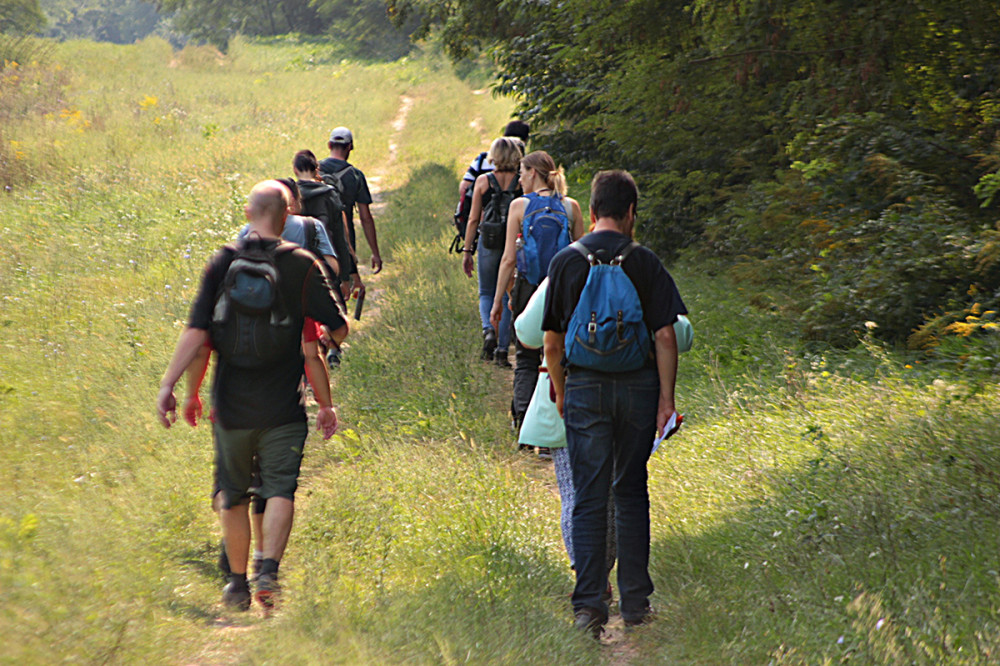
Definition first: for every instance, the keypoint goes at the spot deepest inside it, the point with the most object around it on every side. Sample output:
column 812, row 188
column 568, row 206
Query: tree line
column 845, row 153
column 360, row 27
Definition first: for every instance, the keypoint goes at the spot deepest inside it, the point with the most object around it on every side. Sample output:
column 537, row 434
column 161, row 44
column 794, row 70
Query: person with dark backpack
column 517, row 129
column 540, row 224
column 252, row 304
column 611, row 355
column 352, row 188
column 491, row 198
column 321, row 201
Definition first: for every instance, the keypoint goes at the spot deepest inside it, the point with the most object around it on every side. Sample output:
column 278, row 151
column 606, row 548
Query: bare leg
column 257, row 519
column 236, row 532
column 277, row 526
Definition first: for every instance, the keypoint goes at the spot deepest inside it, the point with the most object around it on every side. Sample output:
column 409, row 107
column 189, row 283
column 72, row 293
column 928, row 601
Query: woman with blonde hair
column 491, row 197
column 543, row 206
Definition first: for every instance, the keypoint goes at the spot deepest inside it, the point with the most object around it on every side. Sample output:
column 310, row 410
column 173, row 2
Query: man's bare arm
column 188, row 346
column 665, row 342
column 368, row 225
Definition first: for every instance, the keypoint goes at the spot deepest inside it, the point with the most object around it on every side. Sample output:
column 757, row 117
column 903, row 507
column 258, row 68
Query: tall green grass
column 817, row 507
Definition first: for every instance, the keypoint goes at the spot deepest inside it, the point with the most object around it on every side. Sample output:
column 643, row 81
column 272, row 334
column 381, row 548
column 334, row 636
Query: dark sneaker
column 545, row 453
column 333, row 358
column 224, row 560
column 589, row 620
column 500, row 358
column 268, row 590
column 645, row 618
column 236, row 595
column 489, row 344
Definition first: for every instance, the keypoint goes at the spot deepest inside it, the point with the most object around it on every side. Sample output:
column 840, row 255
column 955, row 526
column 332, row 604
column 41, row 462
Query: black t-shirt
column 661, row 302
column 266, row 397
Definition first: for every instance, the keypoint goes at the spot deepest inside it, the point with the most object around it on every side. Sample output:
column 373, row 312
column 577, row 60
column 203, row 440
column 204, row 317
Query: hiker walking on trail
column 319, row 201
column 481, row 164
column 252, row 305
column 352, row 187
column 539, row 224
column 309, row 234
column 611, row 354
column 491, row 197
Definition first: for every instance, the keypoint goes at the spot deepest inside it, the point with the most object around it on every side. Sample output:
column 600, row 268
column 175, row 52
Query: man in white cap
column 353, row 190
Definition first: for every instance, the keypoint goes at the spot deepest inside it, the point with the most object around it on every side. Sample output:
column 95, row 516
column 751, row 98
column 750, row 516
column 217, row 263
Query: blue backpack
column 544, row 232
column 606, row 331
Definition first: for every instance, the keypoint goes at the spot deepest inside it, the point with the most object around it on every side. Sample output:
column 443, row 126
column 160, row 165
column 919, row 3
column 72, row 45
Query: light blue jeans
column 488, row 270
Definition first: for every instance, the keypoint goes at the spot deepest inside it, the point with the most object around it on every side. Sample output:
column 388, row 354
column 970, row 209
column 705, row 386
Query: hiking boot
column 500, row 358
column 545, row 453
column 333, row 358
column 236, row 595
column 489, row 344
column 224, row 560
column 645, row 618
column 268, row 590
column 589, row 620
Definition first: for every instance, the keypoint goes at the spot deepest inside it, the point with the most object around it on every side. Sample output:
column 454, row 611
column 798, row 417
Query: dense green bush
column 888, row 109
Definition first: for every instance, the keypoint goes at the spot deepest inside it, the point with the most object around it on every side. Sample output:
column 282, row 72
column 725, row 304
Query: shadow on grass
column 882, row 547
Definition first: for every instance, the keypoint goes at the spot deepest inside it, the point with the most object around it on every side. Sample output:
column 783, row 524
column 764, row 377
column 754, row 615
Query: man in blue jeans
column 612, row 417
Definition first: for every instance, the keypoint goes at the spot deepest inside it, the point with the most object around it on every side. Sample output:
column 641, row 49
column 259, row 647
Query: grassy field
column 820, row 506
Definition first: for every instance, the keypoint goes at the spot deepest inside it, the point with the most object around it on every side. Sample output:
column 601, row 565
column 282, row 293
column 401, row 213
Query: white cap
column 341, row 135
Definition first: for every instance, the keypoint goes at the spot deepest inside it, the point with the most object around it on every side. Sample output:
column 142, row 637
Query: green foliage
column 117, row 21
column 887, row 109
column 21, row 17
column 355, row 29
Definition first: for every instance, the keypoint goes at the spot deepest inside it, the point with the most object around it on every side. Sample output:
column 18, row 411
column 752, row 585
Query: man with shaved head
column 256, row 398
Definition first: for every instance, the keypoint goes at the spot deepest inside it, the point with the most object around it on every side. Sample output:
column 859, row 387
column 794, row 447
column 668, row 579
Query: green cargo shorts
column 279, row 454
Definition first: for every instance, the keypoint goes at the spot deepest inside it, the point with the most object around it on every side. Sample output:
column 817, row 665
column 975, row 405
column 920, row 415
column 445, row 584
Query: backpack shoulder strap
column 624, row 252
column 494, row 183
column 587, row 254
column 311, row 235
column 513, row 185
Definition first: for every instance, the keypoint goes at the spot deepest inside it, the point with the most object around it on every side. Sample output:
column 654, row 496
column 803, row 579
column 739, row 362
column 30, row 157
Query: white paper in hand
column 669, row 429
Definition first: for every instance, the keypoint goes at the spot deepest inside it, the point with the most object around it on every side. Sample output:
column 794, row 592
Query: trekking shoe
column 224, row 560
column 257, row 564
column 589, row 620
column 333, row 358
column 268, row 590
column 500, row 358
column 545, row 453
column 489, row 344
column 645, row 618
column 236, row 595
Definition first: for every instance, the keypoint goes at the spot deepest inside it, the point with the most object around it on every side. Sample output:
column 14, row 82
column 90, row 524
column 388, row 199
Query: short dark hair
column 517, row 128
column 612, row 193
column 305, row 161
column 292, row 187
